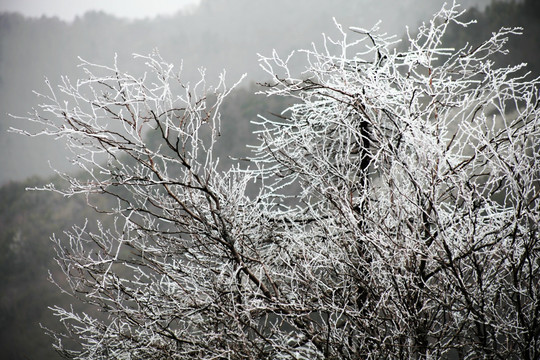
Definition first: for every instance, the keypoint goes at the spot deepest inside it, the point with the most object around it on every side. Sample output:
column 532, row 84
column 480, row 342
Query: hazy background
column 69, row 9
column 217, row 34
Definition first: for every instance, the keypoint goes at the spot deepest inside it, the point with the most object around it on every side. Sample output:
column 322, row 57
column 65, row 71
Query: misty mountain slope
column 217, row 35
column 27, row 220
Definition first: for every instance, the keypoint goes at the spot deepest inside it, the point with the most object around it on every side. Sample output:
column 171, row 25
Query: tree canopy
column 391, row 210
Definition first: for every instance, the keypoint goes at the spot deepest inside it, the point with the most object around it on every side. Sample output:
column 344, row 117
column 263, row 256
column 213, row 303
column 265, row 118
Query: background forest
column 218, row 34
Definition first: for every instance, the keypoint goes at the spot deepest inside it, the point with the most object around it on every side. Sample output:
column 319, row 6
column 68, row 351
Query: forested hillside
column 522, row 49
column 214, row 36
column 27, row 220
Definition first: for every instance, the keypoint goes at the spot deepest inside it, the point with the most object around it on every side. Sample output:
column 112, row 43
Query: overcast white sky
column 68, row 9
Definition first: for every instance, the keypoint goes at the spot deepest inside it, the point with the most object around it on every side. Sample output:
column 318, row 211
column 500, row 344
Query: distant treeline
column 522, row 49
column 217, row 35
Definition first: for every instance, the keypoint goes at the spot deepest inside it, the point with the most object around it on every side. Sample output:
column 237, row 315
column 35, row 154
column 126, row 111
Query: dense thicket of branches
column 391, row 211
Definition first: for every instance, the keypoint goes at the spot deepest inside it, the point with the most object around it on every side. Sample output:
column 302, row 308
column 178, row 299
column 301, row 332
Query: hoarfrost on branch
column 391, row 211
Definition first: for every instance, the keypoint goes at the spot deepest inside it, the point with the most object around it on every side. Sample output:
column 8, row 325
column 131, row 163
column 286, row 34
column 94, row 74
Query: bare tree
column 391, row 212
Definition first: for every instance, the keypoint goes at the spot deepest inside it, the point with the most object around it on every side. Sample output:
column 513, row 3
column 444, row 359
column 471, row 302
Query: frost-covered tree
column 391, row 211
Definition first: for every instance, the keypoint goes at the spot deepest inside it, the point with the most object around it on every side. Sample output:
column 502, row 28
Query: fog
column 217, row 35
column 69, row 10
